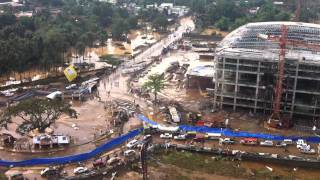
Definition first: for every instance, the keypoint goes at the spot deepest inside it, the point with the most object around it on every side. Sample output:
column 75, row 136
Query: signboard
column 70, row 73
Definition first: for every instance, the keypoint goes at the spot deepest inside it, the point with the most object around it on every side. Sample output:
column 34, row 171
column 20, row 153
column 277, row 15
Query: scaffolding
column 246, row 71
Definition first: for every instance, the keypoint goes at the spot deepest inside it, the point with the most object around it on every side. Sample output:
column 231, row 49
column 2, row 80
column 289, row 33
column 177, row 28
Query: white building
column 50, row 140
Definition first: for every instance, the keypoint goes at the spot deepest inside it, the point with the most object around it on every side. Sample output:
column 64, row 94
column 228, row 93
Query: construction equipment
column 275, row 119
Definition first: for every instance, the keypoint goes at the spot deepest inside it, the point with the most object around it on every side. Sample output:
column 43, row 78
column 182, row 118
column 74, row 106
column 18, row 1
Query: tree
column 103, row 37
column 81, row 48
column 35, row 113
column 223, row 24
column 132, row 22
column 155, row 84
column 119, row 27
column 161, row 22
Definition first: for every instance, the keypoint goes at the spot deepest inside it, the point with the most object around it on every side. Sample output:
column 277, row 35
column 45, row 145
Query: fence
column 74, row 158
column 230, row 133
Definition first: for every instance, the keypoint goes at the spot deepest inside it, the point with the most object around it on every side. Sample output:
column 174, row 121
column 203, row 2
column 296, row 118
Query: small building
column 45, row 140
column 7, row 140
column 166, row 5
column 279, row 3
column 55, row 95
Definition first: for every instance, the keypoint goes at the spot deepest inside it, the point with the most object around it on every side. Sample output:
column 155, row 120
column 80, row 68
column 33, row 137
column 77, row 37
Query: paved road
column 115, row 85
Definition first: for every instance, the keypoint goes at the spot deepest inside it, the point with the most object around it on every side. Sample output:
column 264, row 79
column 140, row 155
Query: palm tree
column 155, row 83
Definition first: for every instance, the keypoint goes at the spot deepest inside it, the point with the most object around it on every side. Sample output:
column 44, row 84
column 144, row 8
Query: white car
column 281, row 144
column 305, row 147
column 80, row 170
column 308, row 151
column 288, row 141
column 146, row 137
column 180, row 137
column 132, row 143
column 113, row 160
column 301, row 141
column 266, row 143
column 129, row 152
column 166, row 136
column 49, row 171
column 302, row 144
column 226, row 141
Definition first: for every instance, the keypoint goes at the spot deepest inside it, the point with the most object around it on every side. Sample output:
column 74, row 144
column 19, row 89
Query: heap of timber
column 246, row 70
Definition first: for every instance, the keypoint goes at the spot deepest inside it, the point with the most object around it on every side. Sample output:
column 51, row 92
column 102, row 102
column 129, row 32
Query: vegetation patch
column 110, row 59
column 217, row 165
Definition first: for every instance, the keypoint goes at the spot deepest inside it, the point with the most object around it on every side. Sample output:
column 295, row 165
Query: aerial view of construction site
column 159, row 89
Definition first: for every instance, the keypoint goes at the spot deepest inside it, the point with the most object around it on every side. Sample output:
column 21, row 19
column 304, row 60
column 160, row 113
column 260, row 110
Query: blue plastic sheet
column 74, row 158
column 144, row 119
column 230, row 133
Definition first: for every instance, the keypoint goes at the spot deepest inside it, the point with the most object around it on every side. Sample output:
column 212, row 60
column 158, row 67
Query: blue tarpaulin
column 74, row 158
column 230, row 133
column 144, row 119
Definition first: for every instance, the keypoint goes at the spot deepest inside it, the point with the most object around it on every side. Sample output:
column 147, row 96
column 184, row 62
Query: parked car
column 113, row 160
column 180, row 137
column 166, row 136
column 301, row 141
column 302, row 144
column 226, row 141
column 129, row 152
column 17, row 176
column 249, row 141
column 281, row 144
column 147, row 137
column 288, row 141
column 132, row 143
column 199, row 138
column 307, row 151
column 80, row 170
column 303, row 147
column 101, row 162
column 266, row 143
column 50, row 171
column 191, row 134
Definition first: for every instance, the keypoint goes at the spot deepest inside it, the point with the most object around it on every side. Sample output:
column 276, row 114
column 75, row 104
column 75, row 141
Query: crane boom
column 284, row 42
column 278, row 90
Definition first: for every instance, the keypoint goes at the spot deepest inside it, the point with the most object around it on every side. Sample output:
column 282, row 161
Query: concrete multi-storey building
column 246, row 70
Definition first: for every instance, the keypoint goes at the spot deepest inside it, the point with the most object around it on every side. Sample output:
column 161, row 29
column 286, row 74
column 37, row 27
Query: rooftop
column 244, row 41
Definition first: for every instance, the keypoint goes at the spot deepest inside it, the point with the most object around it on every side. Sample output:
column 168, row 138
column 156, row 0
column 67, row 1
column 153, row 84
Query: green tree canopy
column 35, row 113
column 155, row 84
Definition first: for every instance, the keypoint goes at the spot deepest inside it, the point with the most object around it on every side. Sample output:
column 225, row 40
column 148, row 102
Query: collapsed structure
column 246, row 70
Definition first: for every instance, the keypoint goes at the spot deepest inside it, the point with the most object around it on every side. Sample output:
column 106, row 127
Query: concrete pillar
column 236, row 87
column 257, row 88
column 294, row 89
column 222, row 82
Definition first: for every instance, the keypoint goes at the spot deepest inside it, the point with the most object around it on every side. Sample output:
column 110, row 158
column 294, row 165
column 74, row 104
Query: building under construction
column 247, row 68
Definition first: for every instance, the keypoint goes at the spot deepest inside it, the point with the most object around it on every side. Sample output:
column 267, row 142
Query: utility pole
column 143, row 159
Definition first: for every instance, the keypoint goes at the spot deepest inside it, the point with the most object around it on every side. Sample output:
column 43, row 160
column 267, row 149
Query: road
column 115, row 85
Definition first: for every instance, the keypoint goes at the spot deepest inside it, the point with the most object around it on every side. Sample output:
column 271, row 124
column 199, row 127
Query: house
column 150, row 6
column 55, row 95
column 254, row 10
column 45, row 140
column 279, row 3
column 7, row 140
column 166, row 5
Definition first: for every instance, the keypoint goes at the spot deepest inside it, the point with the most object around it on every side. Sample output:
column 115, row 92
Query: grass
column 110, row 59
column 219, row 166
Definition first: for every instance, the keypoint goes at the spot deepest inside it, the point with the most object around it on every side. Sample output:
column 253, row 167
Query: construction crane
column 275, row 119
